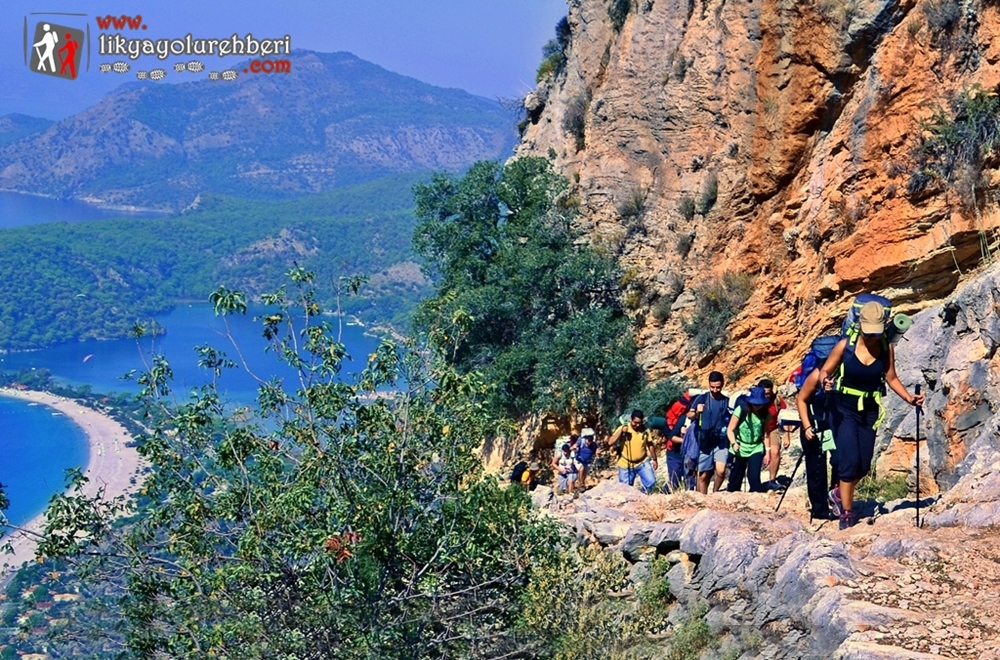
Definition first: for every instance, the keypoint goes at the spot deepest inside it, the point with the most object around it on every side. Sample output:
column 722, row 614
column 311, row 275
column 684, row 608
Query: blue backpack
column 851, row 328
column 819, row 351
column 709, row 437
column 690, row 449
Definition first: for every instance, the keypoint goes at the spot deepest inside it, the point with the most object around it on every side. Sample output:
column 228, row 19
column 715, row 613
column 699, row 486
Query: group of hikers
column 833, row 402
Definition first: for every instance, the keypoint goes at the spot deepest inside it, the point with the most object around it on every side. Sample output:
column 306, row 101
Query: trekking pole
column 791, row 479
column 917, row 390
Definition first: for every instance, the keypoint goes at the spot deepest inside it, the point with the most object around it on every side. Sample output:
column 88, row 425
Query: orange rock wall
column 807, row 113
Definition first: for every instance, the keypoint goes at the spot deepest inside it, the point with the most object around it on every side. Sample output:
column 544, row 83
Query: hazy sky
column 488, row 47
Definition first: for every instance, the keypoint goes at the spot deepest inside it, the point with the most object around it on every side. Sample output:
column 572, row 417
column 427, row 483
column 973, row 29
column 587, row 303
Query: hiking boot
column 823, row 515
column 836, row 504
column 847, row 519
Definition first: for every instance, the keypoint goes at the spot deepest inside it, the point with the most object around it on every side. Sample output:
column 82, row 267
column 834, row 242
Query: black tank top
column 867, row 378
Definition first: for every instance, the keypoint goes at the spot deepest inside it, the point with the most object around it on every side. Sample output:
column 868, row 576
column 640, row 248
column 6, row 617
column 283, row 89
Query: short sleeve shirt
column 750, row 433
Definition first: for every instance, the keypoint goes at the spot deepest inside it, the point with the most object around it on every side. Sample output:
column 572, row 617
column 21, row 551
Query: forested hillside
column 13, row 127
column 67, row 282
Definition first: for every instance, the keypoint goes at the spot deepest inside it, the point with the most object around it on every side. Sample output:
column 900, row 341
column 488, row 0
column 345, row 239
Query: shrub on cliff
column 618, row 13
column 686, row 208
column 553, row 58
column 575, row 119
column 718, row 301
column 709, row 194
column 957, row 144
column 554, row 51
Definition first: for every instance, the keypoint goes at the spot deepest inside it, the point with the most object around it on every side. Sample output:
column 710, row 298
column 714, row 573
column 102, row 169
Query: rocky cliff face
column 779, row 139
column 952, row 350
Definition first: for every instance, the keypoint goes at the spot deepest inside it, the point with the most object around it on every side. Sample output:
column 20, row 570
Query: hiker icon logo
column 54, row 49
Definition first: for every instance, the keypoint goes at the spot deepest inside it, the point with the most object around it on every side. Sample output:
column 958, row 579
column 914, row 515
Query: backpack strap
column 861, row 395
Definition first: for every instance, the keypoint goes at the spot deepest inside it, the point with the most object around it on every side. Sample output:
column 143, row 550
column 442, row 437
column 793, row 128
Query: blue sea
column 37, row 446
column 17, row 209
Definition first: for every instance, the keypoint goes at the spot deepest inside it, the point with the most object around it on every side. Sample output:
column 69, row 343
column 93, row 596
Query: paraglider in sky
column 87, row 357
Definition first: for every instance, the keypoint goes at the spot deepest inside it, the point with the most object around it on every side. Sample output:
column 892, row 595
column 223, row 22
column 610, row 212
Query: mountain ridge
column 334, row 119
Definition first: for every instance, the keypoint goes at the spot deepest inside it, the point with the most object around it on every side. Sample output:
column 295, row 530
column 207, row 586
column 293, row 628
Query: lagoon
column 102, row 364
column 37, row 446
column 17, row 209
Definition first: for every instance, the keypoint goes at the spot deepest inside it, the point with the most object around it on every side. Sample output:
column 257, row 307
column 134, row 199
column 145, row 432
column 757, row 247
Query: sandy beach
column 111, row 464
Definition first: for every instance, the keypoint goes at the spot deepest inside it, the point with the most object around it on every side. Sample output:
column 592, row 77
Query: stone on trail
column 868, row 651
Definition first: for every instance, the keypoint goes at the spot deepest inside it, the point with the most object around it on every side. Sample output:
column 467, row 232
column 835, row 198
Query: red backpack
column 678, row 409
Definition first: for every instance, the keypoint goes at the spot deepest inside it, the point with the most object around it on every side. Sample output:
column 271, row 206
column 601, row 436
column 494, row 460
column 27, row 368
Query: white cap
column 587, row 432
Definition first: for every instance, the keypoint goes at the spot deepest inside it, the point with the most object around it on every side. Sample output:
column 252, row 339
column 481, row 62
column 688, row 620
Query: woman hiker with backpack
column 864, row 362
column 813, row 405
column 746, row 431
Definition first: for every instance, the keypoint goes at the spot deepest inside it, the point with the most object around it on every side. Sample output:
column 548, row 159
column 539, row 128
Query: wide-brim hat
column 534, row 466
column 872, row 318
column 757, row 397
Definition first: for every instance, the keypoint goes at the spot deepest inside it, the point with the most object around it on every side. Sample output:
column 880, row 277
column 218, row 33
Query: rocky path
column 948, row 579
column 780, row 586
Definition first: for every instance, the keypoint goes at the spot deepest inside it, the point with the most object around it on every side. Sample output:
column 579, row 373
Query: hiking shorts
column 854, row 432
column 645, row 473
column 706, row 462
column 566, row 479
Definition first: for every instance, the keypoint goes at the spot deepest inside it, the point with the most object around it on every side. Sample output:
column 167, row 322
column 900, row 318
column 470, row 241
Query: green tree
column 338, row 520
column 519, row 296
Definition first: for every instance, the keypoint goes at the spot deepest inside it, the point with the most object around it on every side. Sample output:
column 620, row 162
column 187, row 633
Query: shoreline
column 110, row 465
column 92, row 202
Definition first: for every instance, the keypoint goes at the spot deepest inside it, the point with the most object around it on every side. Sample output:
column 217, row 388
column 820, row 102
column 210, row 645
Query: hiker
column 566, row 467
column 525, row 474
column 676, row 423
column 747, row 431
column 773, row 444
column 814, row 403
column 586, row 451
column 863, row 363
column 676, row 474
column 711, row 413
column 633, row 445
column 530, row 477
